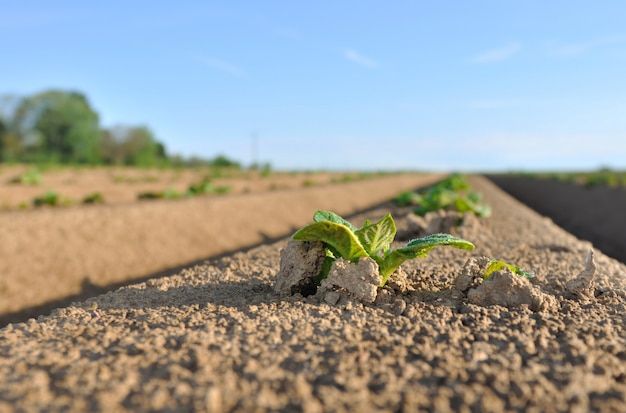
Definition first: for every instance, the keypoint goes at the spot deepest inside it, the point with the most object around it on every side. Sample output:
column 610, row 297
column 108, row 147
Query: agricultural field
column 589, row 207
column 602, row 177
column 51, row 255
column 507, row 312
column 25, row 187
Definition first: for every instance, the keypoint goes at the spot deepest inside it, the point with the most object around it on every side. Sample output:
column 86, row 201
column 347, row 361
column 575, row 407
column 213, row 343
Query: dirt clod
column 510, row 290
column 433, row 222
column 582, row 286
column 471, row 274
column 300, row 263
column 360, row 279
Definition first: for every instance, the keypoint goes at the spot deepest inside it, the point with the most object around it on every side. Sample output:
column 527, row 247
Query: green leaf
column 497, row 265
column 337, row 236
column 465, row 204
column 419, row 248
column 435, row 240
column 389, row 264
column 436, row 199
column 321, row 216
column 407, row 198
column 377, row 237
column 475, row 197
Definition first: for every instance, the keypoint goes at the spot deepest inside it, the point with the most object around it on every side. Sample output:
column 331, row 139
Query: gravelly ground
column 217, row 338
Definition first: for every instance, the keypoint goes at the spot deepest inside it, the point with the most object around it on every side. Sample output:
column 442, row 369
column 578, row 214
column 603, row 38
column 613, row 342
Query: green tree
column 133, row 145
column 142, row 147
column 223, row 161
column 57, row 125
column 10, row 144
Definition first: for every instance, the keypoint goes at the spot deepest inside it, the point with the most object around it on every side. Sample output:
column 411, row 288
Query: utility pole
column 255, row 150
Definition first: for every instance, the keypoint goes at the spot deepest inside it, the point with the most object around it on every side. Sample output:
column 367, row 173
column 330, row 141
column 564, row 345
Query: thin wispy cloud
column 222, row 66
column 577, row 49
column 498, row 54
column 359, row 59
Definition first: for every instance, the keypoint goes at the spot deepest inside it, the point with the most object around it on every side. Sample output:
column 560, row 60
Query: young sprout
column 94, row 309
column 497, row 265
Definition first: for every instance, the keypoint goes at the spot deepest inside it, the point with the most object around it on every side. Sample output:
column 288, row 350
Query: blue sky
column 457, row 85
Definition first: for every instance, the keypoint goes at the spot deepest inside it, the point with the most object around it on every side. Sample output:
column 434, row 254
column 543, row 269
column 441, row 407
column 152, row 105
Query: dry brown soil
column 122, row 185
column 52, row 256
column 216, row 337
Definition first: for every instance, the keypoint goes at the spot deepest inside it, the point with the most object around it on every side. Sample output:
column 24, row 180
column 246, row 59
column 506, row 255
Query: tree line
column 59, row 126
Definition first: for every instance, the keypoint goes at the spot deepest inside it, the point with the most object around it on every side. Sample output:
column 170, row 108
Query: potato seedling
column 95, row 198
column 407, row 198
column 205, row 187
column 50, row 198
column 342, row 239
column 451, row 194
column 30, row 177
column 169, row 193
column 497, row 265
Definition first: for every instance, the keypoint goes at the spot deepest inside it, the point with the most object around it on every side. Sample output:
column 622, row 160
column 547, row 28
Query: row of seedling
column 332, row 254
column 602, row 177
column 360, row 261
column 205, row 187
column 451, row 194
column 52, row 198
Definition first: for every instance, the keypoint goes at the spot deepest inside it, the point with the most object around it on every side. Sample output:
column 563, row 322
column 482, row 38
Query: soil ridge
column 217, row 337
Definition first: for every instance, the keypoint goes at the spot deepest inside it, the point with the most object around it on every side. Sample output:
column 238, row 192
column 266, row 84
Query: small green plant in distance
column 30, row 177
column 451, row 193
column 205, row 187
column 169, row 193
column 50, row 198
column 342, row 239
column 407, row 198
column 497, row 265
column 95, row 198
